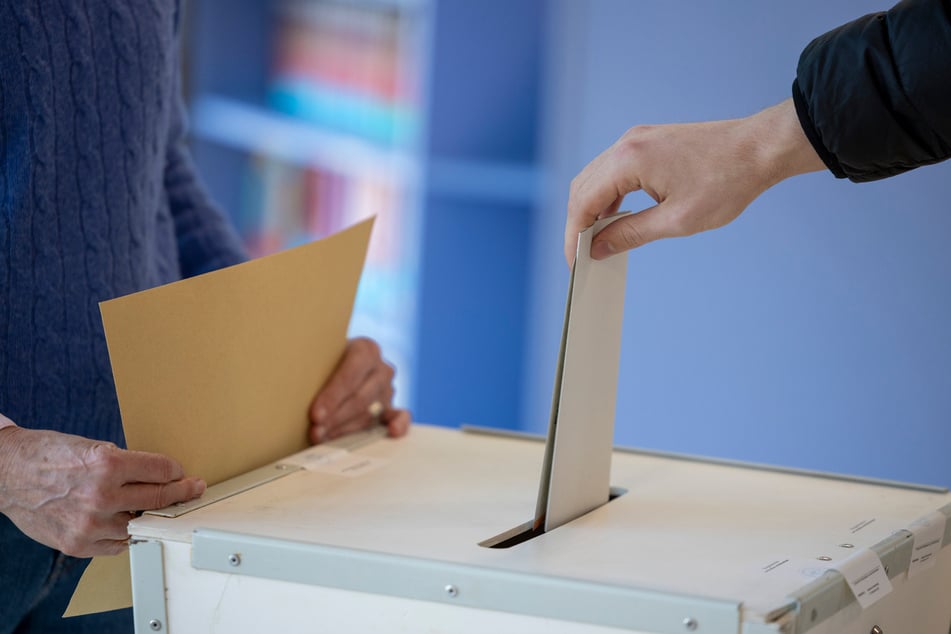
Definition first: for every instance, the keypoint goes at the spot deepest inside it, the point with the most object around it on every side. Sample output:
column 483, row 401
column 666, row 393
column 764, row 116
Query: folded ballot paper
column 577, row 468
column 218, row 371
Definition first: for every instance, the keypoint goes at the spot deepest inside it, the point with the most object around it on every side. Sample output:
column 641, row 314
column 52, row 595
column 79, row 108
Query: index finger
column 597, row 191
column 144, row 466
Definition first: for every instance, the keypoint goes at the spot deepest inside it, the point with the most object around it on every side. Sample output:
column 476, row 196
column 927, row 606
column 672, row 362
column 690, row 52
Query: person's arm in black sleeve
column 874, row 95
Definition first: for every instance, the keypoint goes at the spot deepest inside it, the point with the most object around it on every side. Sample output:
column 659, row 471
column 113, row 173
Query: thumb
column 628, row 233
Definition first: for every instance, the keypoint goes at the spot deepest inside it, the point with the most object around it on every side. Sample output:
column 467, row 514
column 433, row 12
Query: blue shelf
column 259, row 130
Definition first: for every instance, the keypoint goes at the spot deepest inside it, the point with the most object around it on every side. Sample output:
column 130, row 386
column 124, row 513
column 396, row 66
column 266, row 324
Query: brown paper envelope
column 218, row 371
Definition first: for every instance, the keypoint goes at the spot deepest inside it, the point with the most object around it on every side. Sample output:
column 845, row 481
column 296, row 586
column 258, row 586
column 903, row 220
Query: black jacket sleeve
column 874, row 95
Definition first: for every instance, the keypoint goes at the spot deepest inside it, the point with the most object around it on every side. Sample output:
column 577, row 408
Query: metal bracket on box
column 148, row 587
column 226, row 489
column 267, row 473
column 456, row 584
column 830, row 593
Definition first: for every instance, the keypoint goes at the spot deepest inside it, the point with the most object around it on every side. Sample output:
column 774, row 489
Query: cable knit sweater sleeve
column 206, row 239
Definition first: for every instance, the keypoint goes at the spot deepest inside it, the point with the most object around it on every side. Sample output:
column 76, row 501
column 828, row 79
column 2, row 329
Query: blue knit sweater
column 98, row 196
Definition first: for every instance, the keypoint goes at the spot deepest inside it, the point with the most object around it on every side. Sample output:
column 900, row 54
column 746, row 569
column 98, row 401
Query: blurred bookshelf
column 310, row 115
column 323, row 132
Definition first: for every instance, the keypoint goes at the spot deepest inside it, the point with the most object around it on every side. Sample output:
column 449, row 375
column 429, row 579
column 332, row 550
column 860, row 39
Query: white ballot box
column 380, row 535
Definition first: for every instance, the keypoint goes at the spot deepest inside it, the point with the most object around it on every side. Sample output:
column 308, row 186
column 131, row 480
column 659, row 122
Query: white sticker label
column 316, row 455
column 929, row 533
column 866, row 577
column 333, row 460
column 351, row 465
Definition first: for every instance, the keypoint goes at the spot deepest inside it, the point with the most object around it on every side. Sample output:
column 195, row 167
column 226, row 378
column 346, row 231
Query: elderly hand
column 77, row 495
column 702, row 176
column 357, row 396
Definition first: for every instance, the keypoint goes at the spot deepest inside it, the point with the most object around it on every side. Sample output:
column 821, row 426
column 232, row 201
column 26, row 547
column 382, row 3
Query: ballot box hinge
column 830, row 593
column 461, row 585
column 148, row 586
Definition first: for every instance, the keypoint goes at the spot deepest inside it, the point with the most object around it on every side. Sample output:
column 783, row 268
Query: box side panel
column 220, row 603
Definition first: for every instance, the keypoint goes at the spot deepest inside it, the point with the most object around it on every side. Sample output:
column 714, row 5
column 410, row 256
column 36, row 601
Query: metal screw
column 846, row 546
column 876, row 630
column 824, row 558
column 691, row 623
column 155, row 625
column 452, row 591
column 234, row 559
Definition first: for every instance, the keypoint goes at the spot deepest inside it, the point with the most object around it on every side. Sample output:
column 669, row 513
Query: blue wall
column 478, row 206
column 812, row 332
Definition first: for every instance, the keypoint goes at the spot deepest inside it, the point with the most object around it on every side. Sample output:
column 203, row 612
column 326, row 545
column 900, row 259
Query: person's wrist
column 784, row 150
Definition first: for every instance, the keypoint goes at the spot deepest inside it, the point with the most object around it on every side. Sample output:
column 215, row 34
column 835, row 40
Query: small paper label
column 866, row 577
column 929, row 533
column 350, row 465
column 333, row 460
column 316, row 455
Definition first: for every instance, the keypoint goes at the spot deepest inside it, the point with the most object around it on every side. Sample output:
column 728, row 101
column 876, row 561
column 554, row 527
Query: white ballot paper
column 577, row 468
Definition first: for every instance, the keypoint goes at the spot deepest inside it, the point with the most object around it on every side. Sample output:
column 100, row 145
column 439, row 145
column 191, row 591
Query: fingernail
column 199, row 488
column 319, row 433
column 602, row 249
column 321, row 413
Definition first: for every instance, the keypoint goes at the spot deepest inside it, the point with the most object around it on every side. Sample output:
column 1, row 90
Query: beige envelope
column 218, row 370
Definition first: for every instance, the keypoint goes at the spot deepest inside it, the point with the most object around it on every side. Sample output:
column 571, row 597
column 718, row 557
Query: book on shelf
column 342, row 66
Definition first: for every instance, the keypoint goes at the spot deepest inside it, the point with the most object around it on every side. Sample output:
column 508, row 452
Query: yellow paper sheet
column 218, row 371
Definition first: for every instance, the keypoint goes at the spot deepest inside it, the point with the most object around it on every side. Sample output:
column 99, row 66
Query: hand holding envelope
column 358, row 395
column 75, row 494
column 219, row 371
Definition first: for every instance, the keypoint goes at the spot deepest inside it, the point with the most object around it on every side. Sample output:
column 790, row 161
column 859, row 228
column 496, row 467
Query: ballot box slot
column 527, row 531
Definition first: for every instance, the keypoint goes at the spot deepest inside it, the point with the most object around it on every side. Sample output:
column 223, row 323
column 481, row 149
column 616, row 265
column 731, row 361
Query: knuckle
column 72, row 546
column 630, row 235
column 105, row 456
column 574, row 187
column 363, row 344
column 82, row 526
column 637, row 133
column 162, row 496
column 633, row 142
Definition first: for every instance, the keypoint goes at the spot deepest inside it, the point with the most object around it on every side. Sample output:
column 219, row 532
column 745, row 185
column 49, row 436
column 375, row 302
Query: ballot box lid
column 716, row 542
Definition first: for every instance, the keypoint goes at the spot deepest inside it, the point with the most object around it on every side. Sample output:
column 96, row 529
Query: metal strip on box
column 470, row 586
column 830, row 593
column 228, row 488
column 148, row 587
